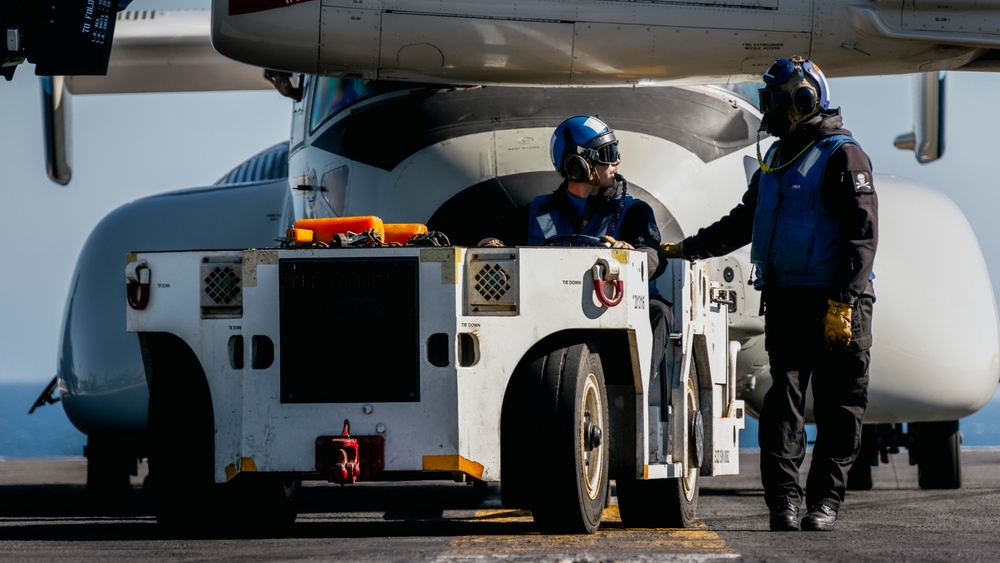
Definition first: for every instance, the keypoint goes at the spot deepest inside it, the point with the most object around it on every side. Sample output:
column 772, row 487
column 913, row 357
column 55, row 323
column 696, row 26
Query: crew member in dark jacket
column 593, row 200
column 810, row 214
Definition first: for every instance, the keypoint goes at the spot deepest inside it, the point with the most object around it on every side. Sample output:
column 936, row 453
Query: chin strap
column 595, row 178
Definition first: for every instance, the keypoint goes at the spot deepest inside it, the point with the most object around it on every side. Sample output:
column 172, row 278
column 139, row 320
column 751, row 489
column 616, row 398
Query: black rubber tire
column 186, row 499
column 938, row 448
column 261, row 503
column 519, row 419
column 574, row 401
column 666, row 503
column 181, row 478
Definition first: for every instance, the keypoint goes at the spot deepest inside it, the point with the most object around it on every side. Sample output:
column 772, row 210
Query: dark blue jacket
column 548, row 220
column 629, row 219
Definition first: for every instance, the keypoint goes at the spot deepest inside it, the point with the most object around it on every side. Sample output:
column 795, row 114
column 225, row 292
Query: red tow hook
column 337, row 456
column 605, row 271
column 137, row 288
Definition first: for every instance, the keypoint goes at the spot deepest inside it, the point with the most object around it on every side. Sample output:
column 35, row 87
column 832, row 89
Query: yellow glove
column 617, row 243
column 837, row 324
column 673, row 249
column 492, row 242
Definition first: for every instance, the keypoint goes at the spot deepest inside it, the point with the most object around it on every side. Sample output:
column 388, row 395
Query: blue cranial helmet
column 585, row 136
column 797, row 85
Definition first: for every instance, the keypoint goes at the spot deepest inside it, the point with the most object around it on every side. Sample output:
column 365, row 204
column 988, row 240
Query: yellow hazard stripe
column 246, row 464
column 453, row 463
column 697, row 541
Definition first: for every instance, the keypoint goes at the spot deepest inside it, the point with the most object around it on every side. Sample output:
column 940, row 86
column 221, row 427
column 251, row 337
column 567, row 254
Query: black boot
column 786, row 518
column 820, row 518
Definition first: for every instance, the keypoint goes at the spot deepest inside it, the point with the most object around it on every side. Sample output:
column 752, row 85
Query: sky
column 124, row 147
column 128, row 146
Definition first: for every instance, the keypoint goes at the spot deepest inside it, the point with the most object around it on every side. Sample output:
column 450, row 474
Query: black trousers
column 661, row 318
column 798, row 355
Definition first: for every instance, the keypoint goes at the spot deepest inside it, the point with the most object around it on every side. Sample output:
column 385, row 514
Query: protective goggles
column 604, row 154
column 772, row 98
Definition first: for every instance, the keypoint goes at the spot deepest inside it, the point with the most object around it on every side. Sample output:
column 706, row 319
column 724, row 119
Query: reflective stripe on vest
column 547, row 224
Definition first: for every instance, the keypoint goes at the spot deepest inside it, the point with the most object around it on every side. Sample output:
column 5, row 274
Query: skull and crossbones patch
column 862, row 181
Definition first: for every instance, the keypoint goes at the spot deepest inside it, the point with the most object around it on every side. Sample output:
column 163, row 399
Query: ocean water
column 45, row 433
column 48, row 433
column 979, row 430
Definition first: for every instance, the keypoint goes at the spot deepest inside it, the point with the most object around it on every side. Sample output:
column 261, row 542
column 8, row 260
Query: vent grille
column 491, row 285
column 221, row 289
column 222, row 285
column 492, row 282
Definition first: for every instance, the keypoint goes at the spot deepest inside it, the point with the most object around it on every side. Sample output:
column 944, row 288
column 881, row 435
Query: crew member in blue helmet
column 593, row 200
column 810, row 215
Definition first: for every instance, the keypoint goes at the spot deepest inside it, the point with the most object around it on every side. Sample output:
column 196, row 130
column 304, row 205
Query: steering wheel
column 575, row 240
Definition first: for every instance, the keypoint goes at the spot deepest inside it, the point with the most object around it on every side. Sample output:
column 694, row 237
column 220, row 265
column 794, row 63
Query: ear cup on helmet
column 577, row 168
column 804, row 99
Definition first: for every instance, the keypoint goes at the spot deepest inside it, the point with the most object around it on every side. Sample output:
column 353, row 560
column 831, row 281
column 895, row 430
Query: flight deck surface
column 46, row 515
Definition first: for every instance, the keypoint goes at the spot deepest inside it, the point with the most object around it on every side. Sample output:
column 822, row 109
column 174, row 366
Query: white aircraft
column 441, row 113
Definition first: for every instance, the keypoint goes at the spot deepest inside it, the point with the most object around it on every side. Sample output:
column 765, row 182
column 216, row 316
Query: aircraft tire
column 110, row 466
column 576, row 444
column 939, row 464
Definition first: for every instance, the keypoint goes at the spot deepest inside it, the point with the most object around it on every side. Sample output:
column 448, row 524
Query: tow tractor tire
column 181, row 478
column 667, row 503
column 574, row 408
column 181, row 483
column 939, row 465
column 261, row 503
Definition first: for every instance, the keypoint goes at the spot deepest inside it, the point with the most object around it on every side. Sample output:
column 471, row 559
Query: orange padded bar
column 299, row 236
column 401, row 232
column 325, row 228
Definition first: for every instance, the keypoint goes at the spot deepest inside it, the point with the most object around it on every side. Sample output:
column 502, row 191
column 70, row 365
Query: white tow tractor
column 524, row 366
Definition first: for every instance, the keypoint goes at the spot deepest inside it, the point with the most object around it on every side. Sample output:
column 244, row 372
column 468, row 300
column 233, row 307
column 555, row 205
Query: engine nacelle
column 589, row 42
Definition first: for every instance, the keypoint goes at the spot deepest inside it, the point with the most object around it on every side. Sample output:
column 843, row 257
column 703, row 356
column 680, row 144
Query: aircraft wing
column 152, row 51
column 167, row 51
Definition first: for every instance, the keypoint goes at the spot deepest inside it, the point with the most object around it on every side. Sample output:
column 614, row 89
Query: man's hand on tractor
column 493, row 242
column 673, row 249
column 837, row 324
column 615, row 243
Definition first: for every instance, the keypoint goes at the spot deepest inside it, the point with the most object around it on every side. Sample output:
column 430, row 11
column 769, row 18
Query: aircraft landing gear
column 936, row 452
column 111, row 462
column 934, row 448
